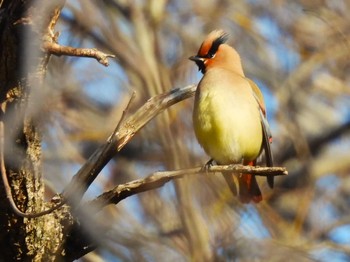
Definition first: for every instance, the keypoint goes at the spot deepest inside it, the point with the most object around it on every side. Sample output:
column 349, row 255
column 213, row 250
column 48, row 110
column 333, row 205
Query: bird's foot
column 208, row 165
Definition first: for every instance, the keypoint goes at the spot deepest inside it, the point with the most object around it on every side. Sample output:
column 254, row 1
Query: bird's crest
column 211, row 44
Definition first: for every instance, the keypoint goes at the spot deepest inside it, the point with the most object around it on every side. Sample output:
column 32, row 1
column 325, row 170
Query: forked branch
column 119, row 138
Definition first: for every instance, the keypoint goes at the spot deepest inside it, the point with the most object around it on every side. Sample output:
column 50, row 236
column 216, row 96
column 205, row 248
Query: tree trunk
column 22, row 239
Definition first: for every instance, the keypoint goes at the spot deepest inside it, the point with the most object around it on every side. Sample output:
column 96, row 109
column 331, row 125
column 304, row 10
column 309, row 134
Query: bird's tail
column 248, row 187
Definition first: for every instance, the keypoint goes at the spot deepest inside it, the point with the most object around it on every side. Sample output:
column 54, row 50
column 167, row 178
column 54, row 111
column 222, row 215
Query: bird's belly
column 228, row 128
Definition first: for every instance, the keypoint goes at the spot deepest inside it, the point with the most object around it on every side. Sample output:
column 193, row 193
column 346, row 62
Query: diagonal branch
column 316, row 143
column 158, row 179
column 90, row 170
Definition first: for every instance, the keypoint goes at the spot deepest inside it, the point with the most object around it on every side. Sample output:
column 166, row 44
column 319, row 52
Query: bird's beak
column 196, row 59
column 200, row 62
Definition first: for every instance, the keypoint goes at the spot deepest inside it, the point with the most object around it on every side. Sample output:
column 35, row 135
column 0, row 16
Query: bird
column 229, row 114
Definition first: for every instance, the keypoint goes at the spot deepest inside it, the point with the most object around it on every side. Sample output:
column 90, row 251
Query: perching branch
column 158, row 179
column 93, row 166
column 57, row 49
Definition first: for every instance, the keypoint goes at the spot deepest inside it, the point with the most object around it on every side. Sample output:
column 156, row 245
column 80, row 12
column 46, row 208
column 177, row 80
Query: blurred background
column 297, row 51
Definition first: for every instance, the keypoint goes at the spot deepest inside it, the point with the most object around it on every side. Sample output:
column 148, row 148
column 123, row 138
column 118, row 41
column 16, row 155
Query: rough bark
column 24, row 239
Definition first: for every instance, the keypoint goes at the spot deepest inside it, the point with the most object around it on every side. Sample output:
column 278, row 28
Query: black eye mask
column 198, row 59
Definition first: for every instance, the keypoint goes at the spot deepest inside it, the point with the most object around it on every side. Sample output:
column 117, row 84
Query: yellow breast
column 226, row 118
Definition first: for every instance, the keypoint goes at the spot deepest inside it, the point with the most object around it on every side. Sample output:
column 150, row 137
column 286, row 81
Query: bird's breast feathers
column 226, row 121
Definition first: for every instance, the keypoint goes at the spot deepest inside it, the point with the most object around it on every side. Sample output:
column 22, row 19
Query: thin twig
column 57, row 49
column 56, row 13
column 121, row 121
column 7, row 187
column 158, row 179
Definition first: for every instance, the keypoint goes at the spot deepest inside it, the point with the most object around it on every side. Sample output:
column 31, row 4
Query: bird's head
column 214, row 52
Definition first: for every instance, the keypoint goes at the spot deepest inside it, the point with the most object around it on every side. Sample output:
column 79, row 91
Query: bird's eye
column 210, row 55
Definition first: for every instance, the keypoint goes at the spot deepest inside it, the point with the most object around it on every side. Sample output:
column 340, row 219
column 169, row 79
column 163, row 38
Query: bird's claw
column 208, row 165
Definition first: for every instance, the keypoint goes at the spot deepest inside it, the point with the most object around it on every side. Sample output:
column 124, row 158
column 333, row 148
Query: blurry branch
column 57, row 49
column 122, row 9
column 316, row 143
column 334, row 26
column 158, row 179
column 123, row 48
column 344, row 248
column 90, row 170
column 325, row 230
column 98, row 40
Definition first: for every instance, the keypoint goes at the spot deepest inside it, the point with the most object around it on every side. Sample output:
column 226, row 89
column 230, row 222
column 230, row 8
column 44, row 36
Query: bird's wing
column 267, row 136
column 267, row 139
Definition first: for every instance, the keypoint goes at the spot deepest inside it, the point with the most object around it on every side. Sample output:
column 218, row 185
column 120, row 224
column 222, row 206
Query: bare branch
column 158, row 179
column 57, row 49
column 90, row 170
